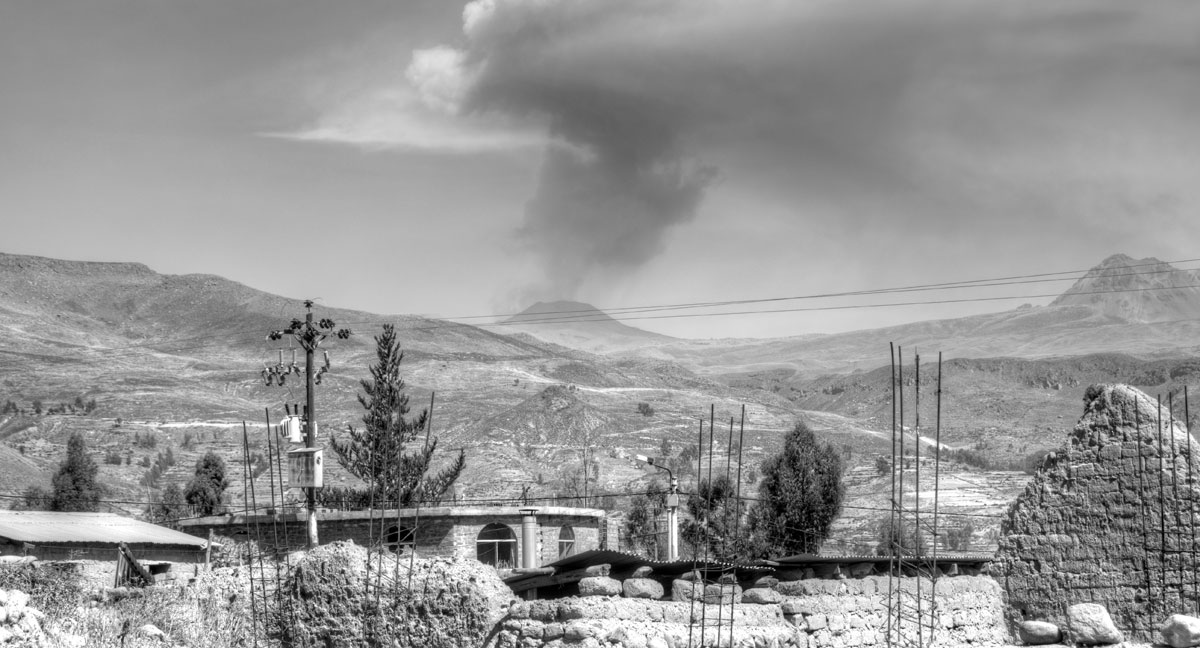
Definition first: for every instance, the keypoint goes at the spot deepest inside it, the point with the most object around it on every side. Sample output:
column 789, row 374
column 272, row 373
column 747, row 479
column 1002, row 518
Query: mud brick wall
column 811, row 613
column 1109, row 518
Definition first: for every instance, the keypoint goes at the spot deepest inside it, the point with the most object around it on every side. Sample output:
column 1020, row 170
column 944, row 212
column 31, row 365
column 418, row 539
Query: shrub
column 645, row 409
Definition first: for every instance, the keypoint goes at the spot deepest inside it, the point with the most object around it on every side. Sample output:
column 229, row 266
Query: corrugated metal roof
column 52, row 528
column 622, row 562
column 814, row 559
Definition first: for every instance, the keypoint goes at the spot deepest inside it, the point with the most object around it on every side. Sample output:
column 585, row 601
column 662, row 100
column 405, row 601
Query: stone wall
column 1109, row 518
column 812, row 613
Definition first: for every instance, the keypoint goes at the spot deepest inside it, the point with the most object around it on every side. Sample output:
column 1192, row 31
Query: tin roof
column 53, row 528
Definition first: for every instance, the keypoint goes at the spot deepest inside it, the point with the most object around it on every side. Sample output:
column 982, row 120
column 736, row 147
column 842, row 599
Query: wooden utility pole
column 309, row 336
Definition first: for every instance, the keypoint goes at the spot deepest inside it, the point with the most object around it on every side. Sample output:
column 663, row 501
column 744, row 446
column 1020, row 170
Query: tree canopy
column 75, row 487
column 206, row 490
column 799, row 495
column 378, row 452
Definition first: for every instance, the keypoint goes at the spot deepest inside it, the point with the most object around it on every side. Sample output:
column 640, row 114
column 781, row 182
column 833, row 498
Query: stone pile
column 808, row 613
column 19, row 623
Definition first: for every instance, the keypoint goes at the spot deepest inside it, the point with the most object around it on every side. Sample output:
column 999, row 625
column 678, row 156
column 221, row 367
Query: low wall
column 810, row 613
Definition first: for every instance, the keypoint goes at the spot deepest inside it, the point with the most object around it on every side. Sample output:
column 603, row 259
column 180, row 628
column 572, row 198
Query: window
column 396, row 539
column 496, row 545
column 566, row 541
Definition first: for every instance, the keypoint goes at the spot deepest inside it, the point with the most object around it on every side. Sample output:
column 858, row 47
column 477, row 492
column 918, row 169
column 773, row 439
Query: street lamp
column 672, row 508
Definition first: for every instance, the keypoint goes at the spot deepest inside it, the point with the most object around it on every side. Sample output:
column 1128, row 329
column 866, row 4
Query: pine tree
column 799, row 496
column 713, row 517
column 169, row 507
column 75, row 487
column 206, row 490
column 376, row 452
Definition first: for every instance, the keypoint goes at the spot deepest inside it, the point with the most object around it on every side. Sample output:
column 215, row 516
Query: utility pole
column 309, row 336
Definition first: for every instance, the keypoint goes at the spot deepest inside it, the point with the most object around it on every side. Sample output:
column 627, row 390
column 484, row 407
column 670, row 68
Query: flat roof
column 57, row 528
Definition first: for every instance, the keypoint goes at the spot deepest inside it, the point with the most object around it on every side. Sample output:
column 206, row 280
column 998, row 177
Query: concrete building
column 49, row 535
column 492, row 535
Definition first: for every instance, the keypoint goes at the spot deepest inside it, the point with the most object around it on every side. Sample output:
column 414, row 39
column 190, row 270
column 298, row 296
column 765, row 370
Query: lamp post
column 672, row 509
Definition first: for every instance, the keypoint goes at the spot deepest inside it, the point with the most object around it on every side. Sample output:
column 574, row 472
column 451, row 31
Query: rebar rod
column 937, row 469
column 712, row 432
column 246, row 524
column 1162, row 505
column 892, row 566
column 1187, row 428
column 1137, row 417
column 695, row 534
column 1175, row 490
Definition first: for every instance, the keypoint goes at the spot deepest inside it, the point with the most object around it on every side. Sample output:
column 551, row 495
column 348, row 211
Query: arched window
column 397, row 539
column 496, row 545
column 566, row 541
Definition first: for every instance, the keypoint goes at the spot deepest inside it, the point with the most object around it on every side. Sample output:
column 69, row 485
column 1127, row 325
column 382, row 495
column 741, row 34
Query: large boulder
column 646, row 588
column 599, row 586
column 1181, row 631
column 1038, row 633
column 436, row 602
column 761, row 596
column 1090, row 624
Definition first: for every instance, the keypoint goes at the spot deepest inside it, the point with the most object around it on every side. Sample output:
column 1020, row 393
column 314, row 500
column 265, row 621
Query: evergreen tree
column 206, row 490
column 799, row 495
column 169, row 507
column 75, row 487
column 34, row 498
column 641, row 521
column 712, row 518
column 376, row 452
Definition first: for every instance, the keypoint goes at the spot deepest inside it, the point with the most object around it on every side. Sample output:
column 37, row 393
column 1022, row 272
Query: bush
column 645, row 409
column 112, row 457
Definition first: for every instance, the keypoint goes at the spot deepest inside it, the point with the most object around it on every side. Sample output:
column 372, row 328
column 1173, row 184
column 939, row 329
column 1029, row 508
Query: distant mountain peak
column 1136, row 290
column 560, row 310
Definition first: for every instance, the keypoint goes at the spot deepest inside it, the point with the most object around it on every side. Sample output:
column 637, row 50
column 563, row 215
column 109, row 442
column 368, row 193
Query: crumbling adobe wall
column 808, row 613
column 331, row 600
column 1109, row 518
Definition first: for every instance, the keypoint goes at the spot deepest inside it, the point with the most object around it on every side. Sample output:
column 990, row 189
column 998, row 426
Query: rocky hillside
column 1137, row 290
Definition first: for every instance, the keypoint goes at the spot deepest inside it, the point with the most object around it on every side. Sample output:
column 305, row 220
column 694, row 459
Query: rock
column 645, row 588
column 727, row 579
column 766, row 581
column 152, row 631
column 682, row 590
column 858, row 570
column 599, row 586
column 1181, row 631
column 1038, row 633
column 761, row 596
column 657, row 642
column 1090, row 624
column 5, row 635
column 17, row 599
column 577, row 632
column 722, row 594
column 553, row 631
column 598, row 570
column 693, row 575
column 643, row 572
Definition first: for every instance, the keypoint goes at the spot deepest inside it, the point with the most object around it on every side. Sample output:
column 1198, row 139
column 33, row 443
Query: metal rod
column 712, row 432
column 1175, row 490
column 1191, row 489
column 892, row 511
column 246, row 524
column 937, row 469
column 1137, row 417
column 917, row 497
column 695, row 535
column 737, row 504
column 1162, row 506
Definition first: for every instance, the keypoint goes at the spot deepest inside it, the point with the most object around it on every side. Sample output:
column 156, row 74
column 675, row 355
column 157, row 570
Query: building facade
column 492, row 535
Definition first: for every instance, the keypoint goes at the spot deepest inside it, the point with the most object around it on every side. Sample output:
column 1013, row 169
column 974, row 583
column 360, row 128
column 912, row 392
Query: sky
column 451, row 159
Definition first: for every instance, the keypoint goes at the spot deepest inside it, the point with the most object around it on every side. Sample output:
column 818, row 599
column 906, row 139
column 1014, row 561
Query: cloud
column 923, row 115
